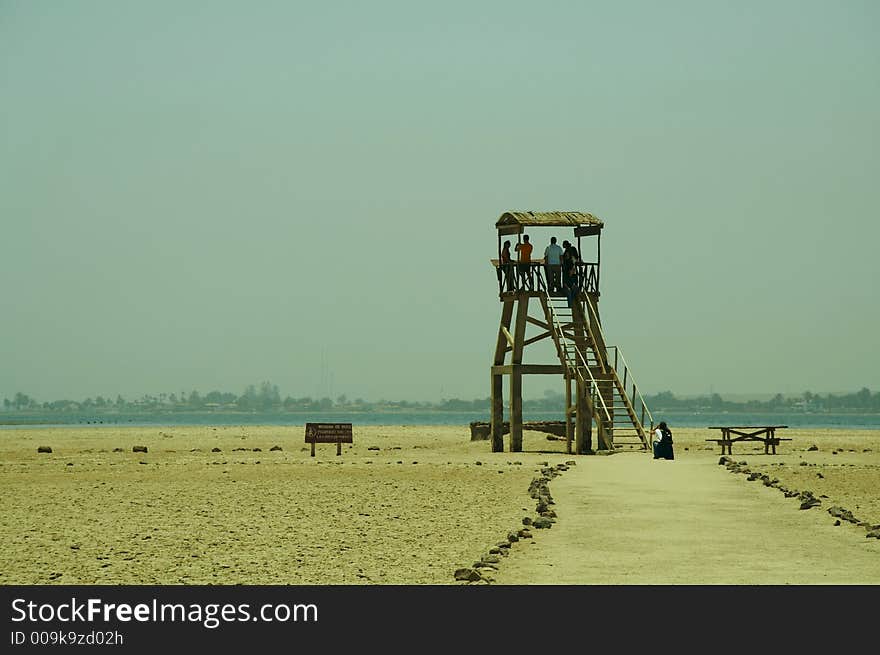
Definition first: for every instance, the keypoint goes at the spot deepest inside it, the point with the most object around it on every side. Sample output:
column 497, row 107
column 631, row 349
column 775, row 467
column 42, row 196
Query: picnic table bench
column 763, row 433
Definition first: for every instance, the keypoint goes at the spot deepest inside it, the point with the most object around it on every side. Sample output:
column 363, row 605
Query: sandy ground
column 412, row 504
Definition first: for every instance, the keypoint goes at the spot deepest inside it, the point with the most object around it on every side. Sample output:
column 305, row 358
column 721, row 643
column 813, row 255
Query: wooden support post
column 582, row 419
column 588, row 422
column 497, row 391
column 338, row 447
column 568, row 425
column 497, row 423
column 519, row 337
column 516, row 435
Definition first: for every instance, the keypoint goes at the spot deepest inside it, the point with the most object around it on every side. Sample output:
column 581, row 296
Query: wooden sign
column 338, row 433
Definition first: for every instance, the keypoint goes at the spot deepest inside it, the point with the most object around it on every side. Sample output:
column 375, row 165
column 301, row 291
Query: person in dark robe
column 569, row 271
column 663, row 442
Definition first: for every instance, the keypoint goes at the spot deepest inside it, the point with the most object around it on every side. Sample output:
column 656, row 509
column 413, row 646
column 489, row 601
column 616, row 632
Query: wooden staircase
column 622, row 418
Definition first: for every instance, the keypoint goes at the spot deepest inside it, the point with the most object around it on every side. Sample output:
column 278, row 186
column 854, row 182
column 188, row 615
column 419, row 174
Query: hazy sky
column 205, row 195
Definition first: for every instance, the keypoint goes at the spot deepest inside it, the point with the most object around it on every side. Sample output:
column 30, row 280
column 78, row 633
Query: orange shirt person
column 524, row 250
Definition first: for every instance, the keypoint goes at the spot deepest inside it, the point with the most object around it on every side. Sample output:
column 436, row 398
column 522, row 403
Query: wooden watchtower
column 600, row 390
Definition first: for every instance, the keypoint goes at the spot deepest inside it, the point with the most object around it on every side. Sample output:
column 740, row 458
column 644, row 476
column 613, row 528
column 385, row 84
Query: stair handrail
column 637, row 394
column 562, row 336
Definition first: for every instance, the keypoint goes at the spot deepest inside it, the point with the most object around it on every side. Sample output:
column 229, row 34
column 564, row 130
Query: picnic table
column 763, row 433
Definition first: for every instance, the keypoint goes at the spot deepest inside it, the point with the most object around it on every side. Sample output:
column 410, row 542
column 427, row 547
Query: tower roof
column 547, row 219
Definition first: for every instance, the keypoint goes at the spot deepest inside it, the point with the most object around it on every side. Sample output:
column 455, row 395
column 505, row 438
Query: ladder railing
column 622, row 374
column 620, row 367
column 576, row 364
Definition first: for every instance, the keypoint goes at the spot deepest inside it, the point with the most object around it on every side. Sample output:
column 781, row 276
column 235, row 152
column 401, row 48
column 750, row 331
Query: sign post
column 338, row 433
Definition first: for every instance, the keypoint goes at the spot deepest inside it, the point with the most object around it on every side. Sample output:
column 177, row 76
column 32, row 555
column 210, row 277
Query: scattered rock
column 478, row 463
column 274, row 448
column 807, row 500
column 875, row 534
column 468, row 575
column 725, row 460
column 813, row 447
column 118, row 450
column 837, row 522
column 527, row 520
column 138, row 449
column 512, row 537
column 524, row 534
column 491, row 559
column 542, row 522
column 373, row 448
column 215, row 449
column 819, row 475
column 257, row 450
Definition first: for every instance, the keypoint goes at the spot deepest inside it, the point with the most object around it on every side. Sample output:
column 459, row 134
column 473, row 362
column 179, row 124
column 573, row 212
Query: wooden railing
column 524, row 277
column 628, row 384
column 575, row 363
column 617, row 363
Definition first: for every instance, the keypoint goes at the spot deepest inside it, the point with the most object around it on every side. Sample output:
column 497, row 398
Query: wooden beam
column 529, row 369
column 539, row 323
column 508, row 336
column 506, row 315
column 536, row 338
column 587, row 230
column 519, row 329
column 522, row 294
column 510, row 229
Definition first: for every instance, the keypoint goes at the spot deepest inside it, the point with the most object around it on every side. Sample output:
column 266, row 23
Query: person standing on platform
column 569, row 271
column 663, row 442
column 553, row 262
column 507, row 267
column 525, row 262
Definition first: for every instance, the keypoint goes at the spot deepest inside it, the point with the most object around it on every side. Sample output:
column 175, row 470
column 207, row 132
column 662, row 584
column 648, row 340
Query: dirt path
column 628, row 519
